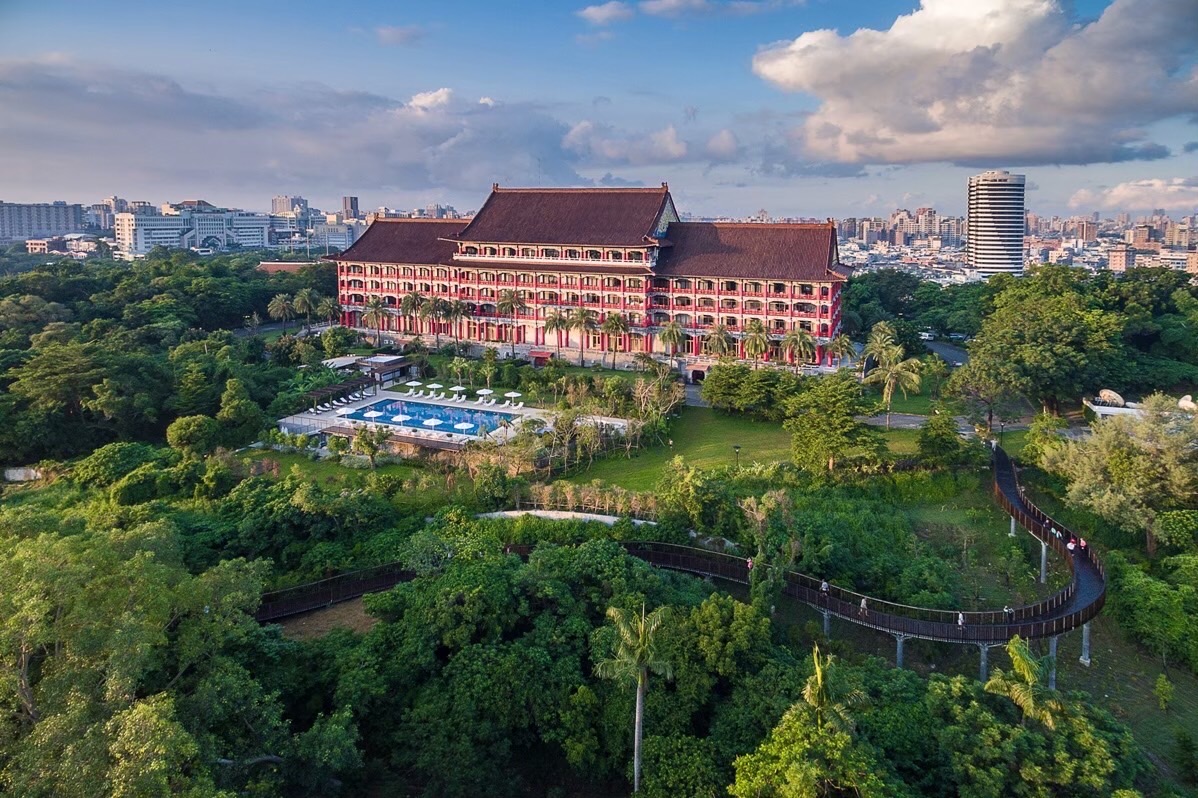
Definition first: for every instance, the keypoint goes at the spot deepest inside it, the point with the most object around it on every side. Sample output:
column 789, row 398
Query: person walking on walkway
column 823, row 590
column 961, row 622
column 863, row 611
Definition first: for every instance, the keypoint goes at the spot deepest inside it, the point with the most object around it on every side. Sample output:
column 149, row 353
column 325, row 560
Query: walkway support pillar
column 1012, row 532
column 1052, row 663
column 1085, row 657
column 827, row 622
column 899, row 639
column 984, row 670
column 1043, row 562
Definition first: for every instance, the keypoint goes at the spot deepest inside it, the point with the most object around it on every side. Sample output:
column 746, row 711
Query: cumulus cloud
column 427, row 100
column 109, row 130
column 398, row 34
column 982, row 82
column 1172, row 194
column 607, row 13
column 599, row 143
column 723, row 146
column 674, row 8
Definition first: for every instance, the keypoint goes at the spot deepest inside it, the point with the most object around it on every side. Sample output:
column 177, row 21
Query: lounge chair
column 480, row 400
column 517, row 407
column 441, row 395
column 492, row 403
column 506, row 403
column 409, row 393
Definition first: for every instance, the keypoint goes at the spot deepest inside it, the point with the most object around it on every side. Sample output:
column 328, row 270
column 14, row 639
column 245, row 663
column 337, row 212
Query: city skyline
column 803, row 109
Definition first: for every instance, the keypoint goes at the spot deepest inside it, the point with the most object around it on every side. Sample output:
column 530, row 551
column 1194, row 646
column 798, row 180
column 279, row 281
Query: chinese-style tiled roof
column 751, row 250
column 619, row 217
column 404, row 241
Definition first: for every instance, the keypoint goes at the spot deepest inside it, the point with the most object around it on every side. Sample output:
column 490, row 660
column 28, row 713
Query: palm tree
column 455, row 311
column 841, row 347
column 645, row 361
column 583, row 321
column 374, row 314
column 410, row 305
column 756, row 339
column 881, row 338
column 893, row 372
column 719, row 341
column 830, row 708
column 1026, row 685
column 637, row 655
column 800, row 345
column 614, row 324
column 305, row 303
column 432, row 311
column 509, row 304
column 672, row 335
column 328, row 309
column 280, row 309
column 555, row 322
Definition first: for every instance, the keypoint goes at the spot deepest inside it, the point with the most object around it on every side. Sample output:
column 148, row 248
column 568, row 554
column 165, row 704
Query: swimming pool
column 419, row 412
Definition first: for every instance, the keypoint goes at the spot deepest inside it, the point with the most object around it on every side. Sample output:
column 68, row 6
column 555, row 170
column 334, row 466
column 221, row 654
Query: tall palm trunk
column 582, row 346
column 642, row 684
column 512, row 341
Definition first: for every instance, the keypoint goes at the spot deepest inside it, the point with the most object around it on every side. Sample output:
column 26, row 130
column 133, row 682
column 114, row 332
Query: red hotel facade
column 620, row 250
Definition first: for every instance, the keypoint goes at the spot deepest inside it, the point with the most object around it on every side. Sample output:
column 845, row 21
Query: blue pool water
column 484, row 420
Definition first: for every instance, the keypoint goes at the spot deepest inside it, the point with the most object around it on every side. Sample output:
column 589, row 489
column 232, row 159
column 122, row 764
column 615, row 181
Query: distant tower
column 995, row 224
column 349, row 207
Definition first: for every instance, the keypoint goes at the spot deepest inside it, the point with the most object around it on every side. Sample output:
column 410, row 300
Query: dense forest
column 132, row 664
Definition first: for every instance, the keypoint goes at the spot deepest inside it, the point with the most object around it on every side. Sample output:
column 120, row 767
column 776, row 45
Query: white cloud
column 997, row 82
column 591, row 39
column 673, row 8
column 723, row 146
column 427, row 100
column 607, row 13
column 599, row 143
column 398, row 34
column 1172, row 194
column 485, row 101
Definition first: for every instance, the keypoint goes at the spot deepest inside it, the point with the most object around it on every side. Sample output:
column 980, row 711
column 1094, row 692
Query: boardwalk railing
column 1067, row 609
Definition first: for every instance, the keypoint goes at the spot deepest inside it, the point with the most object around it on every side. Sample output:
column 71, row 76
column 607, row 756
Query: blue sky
column 817, row 108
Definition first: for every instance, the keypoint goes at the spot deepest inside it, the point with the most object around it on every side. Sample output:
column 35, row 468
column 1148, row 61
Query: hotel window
column 552, row 253
column 471, row 250
column 594, row 254
column 660, row 284
column 615, row 254
column 807, row 290
column 443, row 273
column 779, row 288
column 572, row 253
column 613, row 299
column 488, row 277
column 729, row 321
column 730, row 285
column 636, row 255
column 509, row 252
column 633, row 284
column 823, row 290
column 682, row 284
column 588, row 281
column 490, row 251
column 525, row 277
column 505, row 277
column 425, row 272
column 569, row 281
column 528, row 252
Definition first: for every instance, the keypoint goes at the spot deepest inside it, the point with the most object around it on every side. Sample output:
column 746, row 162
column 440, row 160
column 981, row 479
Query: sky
column 808, row 108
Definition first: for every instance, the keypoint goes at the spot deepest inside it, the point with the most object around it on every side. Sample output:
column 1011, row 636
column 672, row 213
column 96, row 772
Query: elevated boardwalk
column 1068, row 609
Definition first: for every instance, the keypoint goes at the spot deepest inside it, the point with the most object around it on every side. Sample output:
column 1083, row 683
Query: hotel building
column 608, row 251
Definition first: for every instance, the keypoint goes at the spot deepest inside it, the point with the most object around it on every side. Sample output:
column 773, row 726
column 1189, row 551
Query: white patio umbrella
column 432, row 422
column 512, row 394
column 484, row 392
column 457, row 388
column 413, row 383
column 401, row 418
column 344, row 411
column 372, row 413
column 435, row 385
column 463, row 425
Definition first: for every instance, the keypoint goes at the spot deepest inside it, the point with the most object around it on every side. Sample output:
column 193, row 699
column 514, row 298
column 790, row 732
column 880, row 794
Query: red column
column 819, row 354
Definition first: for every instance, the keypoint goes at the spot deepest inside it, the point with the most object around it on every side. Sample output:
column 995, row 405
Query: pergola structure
column 342, row 389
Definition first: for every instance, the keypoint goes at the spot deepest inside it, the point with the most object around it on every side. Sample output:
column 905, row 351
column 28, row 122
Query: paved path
column 693, row 399
column 951, row 353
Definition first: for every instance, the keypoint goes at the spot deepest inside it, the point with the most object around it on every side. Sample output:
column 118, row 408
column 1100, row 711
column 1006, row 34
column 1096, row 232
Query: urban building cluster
column 600, row 251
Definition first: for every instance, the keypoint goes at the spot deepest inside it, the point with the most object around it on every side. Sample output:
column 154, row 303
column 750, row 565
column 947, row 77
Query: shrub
column 108, row 464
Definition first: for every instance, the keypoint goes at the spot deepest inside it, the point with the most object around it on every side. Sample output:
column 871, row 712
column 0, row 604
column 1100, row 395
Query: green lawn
column 705, row 438
column 915, row 403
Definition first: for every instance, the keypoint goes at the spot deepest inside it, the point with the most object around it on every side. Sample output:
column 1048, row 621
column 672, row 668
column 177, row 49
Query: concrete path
column 693, row 399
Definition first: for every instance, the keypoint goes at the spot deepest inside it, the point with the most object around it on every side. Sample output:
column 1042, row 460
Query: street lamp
column 736, row 448
column 1001, row 426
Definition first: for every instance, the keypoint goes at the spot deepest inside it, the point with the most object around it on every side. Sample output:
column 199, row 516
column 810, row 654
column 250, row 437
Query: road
column 951, row 353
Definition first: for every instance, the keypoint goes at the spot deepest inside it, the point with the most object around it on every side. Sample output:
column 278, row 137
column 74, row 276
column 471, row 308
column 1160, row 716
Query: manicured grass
column 705, row 438
column 919, row 404
column 902, row 441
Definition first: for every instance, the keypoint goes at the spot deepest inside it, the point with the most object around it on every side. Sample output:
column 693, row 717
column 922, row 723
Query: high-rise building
column 995, row 223
column 285, row 203
column 21, row 221
column 1087, row 230
column 349, row 207
column 1121, row 257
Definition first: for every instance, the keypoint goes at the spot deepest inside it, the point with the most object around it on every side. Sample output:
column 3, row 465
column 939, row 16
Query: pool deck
column 330, row 422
